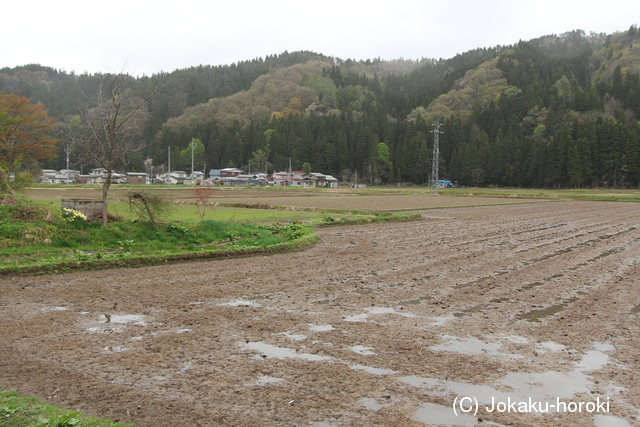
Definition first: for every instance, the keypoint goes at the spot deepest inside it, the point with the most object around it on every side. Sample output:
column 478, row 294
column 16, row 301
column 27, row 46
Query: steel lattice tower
column 436, row 156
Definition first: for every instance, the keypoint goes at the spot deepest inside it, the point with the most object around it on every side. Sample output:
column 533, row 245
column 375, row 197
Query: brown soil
column 376, row 325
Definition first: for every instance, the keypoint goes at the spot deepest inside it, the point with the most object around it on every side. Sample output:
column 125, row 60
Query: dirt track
column 383, row 324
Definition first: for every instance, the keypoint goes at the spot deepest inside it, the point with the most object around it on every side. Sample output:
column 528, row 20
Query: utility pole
column 67, row 150
column 436, row 155
column 193, row 148
column 169, row 171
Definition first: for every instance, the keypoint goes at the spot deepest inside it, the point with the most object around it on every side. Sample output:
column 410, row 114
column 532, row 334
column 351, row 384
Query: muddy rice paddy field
column 457, row 319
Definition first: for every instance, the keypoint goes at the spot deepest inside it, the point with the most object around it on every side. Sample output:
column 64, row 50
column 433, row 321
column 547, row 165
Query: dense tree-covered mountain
column 558, row 111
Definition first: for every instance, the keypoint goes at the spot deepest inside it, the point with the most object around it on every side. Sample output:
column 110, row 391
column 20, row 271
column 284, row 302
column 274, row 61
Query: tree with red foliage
column 25, row 132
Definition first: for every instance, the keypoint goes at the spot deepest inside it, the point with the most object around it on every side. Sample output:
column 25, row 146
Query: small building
column 136, row 178
column 214, row 175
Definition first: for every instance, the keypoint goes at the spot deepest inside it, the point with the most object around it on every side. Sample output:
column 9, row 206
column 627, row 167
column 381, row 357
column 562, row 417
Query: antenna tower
column 436, row 156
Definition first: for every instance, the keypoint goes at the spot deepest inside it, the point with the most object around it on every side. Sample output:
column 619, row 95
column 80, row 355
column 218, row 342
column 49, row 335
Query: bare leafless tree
column 110, row 132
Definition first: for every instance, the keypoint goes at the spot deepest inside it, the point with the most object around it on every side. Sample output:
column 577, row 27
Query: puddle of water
column 114, row 349
column 537, row 315
column 515, row 339
column 522, row 386
column 469, row 311
column 241, row 303
column 320, row 328
column 293, row 337
column 370, row 404
column 593, row 360
column 441, row 320
column 268, row 350
column 47, row 309
column 375, row 310
column 360, row 349
column 372, row 370
column 470, row 346
column 136, row 319
column 601, row 420
column 550, row 345
column 116, row 322
column 438, row 415
column 255, row 298
column 264, row 380
column 357, row 318
column 603, row 346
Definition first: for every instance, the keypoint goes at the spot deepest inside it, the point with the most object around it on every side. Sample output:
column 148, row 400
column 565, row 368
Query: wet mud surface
column 376, row 325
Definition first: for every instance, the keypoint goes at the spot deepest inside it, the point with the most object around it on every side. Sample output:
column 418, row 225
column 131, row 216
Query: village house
column 230, row 172
column 288, row 179
column 318, row 180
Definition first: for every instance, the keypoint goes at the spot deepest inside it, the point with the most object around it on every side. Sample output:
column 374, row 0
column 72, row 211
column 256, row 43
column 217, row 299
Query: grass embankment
column 20, row 411
column 38, row 239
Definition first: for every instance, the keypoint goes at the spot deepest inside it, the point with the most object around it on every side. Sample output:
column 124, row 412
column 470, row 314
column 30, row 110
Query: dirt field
column 376, row 325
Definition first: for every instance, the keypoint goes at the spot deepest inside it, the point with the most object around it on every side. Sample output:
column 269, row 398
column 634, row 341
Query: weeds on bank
column 42, row 238
column 20, row 411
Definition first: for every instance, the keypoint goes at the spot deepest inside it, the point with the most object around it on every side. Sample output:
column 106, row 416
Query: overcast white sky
column 150, row 36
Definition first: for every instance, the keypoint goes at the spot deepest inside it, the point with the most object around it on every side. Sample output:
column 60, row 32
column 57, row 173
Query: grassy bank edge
column 307, row 239
column 18, row 411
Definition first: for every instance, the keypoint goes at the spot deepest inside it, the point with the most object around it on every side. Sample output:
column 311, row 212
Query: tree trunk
column 105, row 191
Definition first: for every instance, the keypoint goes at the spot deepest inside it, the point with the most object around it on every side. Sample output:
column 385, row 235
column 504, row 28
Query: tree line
column 558, row 111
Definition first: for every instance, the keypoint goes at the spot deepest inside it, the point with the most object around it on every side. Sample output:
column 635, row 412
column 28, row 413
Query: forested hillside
column 558, row 111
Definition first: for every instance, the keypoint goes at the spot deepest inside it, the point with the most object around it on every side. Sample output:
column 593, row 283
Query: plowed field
column 391, row 324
